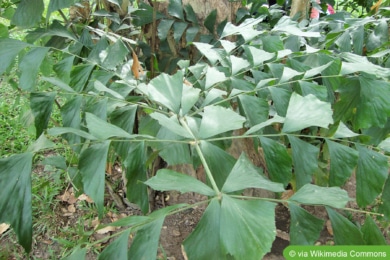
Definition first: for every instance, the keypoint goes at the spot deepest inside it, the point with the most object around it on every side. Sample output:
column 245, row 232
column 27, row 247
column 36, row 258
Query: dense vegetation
column 311, row 97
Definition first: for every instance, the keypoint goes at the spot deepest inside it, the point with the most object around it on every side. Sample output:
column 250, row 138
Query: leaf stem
column 195, row 143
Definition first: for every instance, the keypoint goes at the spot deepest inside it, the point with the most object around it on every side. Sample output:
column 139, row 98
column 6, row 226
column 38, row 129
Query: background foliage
column 312, row 96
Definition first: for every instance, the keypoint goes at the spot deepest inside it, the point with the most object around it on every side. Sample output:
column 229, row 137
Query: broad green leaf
column 384, row 207
column 255, row 109
column 15, row 196
column 315, row 195
column 116, row 249
column 41, row 143
column 315, row 71
column 272, row 43
column 344, row 132
column 379, row 36
column 344, row 42
column 163, row 28
column 128, row 221
column 175, row 9
column 345, row 233
column 217, row 120
column 208, row 51
column 287, row 25
column 210, row 20
column 114, row 55
column 196, row 246
column 279, row 162
column 28, row 13
column 71, row 117
column 167, row 90
column 29, row 67
column 214, row 76
column 55, row 5
column 170, row 180
column 92, row 165
column 103, row 130
column 171, row 123
column 3, row 30
column 144, row 14
column 178, row 30
column 145, row 242
column 238, row 64
column 63, row 68
column 9, row 49
column 69, row 130
column 355, row 63
column 288, row 74
column 41, row 106
column 190, row 14
column 212, row 96
column 101, row 87
column 275, row 119
column 247, row 227
column 303, row 112
column 305, row 228
column 371, row 174
column 136, row 173
column 343, row 160
column 358, row 40
column 245, row 29
column 80, row 75
column 228, row 45
column 214, row 156
column 59, row 83
column 319, row 91
column 304, row 157
column 281, row 98
column 77, row 254
column 189, row 98
column 257, row 56
column 245, row 175
column 372, row 235
column 385, row 145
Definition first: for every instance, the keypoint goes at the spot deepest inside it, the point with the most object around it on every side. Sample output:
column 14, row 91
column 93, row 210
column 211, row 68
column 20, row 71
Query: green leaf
column 77, row 254
column 101, row 87
column 15, row 196
column 178, row 30
column 190, row 14
column 63, row 68
column 116, row 249
column 55, row 5
column 41, row 105
column 305, row 228
column 343, row 160
column 80, row 75
column 385, row 145
column 66, row 130
column 245, row 29
column 245, row 175
column 303, row 112
column 256, row 109
column 29, row 67
column 214, row 156
column 217, row 120
column 210, row 20
column 280, row 99
column 372, row 235
column 272, row 43
column 9, row 49
column 172, row 152
column 304, row 157
column 379, row 36
column 275, row 119
column 195, row 245
column 371, row 174
column 208, row 51
column 28, row 13
column 384, row 207
column 257, row 56
column 315, row 195
column 114, row 55
column 213, row 76
column 189, row 98
column 92, row 165
column 279, row 162
column 171, row 123
column 238, row 64
column 344, row 42
column 136, row 173
column 344, row 132
column 170, row 180
column 315, row 71
column 41, row 143
column 163, row 29
column 319, row 91
column 249, row 234
column 175, row 9
column 358, row 40
column 103, row 130
column 57, row 82
column 167, row 90
column 345, row 233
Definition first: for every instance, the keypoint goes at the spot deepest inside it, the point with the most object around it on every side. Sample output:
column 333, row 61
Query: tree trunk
column 300, row 9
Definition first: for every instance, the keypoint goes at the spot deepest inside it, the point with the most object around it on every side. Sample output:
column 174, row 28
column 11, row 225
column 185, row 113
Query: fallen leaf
column 72, row 208
column 329, row 227
column 4, row 227
column 136, row 68
column 106, row 230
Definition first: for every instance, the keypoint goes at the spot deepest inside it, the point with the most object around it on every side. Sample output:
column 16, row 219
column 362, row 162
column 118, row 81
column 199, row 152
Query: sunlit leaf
column 245, row 175
column 307, row 111
column 171, row 123
column 257, row 56
column 275, row 119
column 344, row 132
column 343, row 160
column 371, row 174
column 305, row 228
column 15, row 196
column 279, row 162
column 304, row 157
column 170, row 180
column 315, row 195
column 238, row 64
column 92, row 165
column 189, row 98
column 208, row 51
column 345, row 233
column 217, row 120
column 41, row 105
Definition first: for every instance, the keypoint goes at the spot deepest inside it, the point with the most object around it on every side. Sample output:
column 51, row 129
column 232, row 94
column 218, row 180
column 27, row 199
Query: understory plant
column 312, row 98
